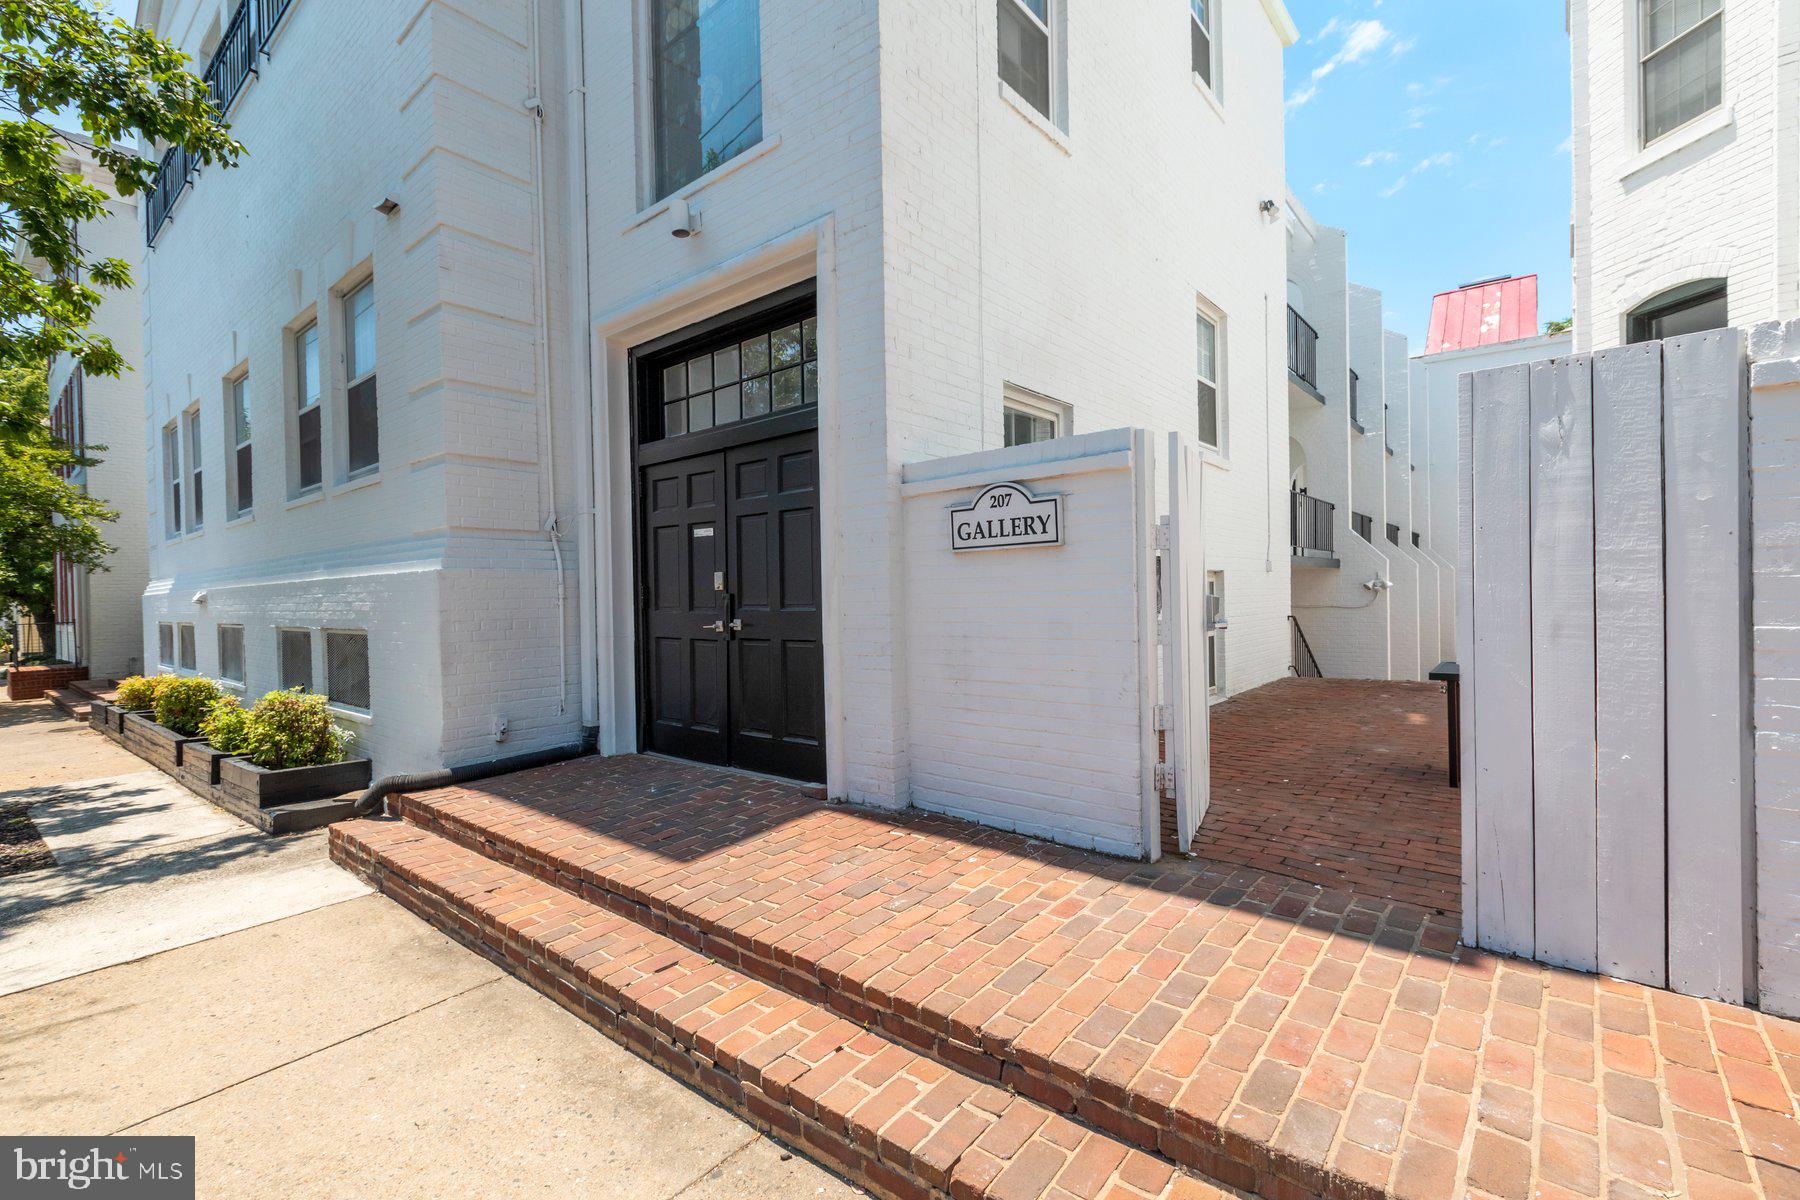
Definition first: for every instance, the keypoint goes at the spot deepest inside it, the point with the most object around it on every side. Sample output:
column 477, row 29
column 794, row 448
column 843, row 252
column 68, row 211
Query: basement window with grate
column 347, row 669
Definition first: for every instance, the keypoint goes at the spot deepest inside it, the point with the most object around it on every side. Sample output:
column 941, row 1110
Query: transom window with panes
column 1681, row 48
column 742, row 375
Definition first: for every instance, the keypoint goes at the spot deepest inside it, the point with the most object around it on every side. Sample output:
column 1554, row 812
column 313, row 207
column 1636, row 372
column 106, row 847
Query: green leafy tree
column 1553, row 328
column 42, row 512
column 122, row 84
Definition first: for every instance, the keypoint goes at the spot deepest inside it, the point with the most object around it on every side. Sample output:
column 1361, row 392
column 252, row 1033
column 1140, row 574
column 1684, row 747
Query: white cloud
column 1436, row 162
column 1376, row 157
column 1360, row 40
column 1567, row 146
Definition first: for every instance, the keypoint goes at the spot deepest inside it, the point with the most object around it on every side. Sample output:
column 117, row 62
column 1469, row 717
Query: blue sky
column 1435, row 132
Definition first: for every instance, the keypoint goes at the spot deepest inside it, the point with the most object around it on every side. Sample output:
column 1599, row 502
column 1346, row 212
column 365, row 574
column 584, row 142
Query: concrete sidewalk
column 354, row 1051
column 142, row 864
column 177, row 972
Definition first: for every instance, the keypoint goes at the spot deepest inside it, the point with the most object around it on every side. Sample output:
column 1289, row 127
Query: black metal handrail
column 1306, row 666
column 1303, row 349
column 235, row 60
column 1356, row 398
column 253, row 22
column 1309, row 521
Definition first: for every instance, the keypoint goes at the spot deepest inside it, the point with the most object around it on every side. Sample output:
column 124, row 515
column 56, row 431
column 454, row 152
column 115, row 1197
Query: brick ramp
column 70, row 701
column 892, row 1119
column 1273, row 1034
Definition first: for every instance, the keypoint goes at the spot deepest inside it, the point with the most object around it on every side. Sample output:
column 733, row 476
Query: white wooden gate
column 1183, row 625
column 1608, row 820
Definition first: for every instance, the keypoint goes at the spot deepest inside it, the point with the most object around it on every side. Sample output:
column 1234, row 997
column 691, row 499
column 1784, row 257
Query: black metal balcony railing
column 1303, row 349
column 1309, row 522
column 230, row 68
column 1355, row 399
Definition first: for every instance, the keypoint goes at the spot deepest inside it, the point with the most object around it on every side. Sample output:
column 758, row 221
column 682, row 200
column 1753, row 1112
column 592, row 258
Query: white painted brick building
column 1096, row 243
column 1686, row 151
column 435, row 551
column 1368, row 598
column 97, row 612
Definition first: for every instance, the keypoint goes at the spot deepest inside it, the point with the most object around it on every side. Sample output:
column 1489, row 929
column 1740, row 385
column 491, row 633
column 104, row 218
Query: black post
column 1450, row 675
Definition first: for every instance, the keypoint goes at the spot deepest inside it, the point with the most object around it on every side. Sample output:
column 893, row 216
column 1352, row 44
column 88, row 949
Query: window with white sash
column 1681, row 48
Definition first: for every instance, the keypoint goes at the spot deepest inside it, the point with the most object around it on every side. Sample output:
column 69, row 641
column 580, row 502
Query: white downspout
column 581, row 355
column 535, row 105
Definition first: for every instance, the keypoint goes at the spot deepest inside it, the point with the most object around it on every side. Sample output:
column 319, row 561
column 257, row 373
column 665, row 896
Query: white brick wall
column 1023, row 666
column 110, row 645
column 1775, row 623
column 1720, row 198
column 440, row 556
column 969, row 248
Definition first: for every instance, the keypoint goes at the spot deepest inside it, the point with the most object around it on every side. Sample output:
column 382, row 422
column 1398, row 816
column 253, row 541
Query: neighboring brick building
column 1686, row 150
column 895, row 238
column 96, row 614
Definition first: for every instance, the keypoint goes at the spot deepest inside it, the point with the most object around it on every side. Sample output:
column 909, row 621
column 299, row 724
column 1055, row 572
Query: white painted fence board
column 1143, row 487
column 1502, row 639
column 1465, row 649
column 1711, row 824
column 1562, row 661
column 1184, row 602
column 1629, row 802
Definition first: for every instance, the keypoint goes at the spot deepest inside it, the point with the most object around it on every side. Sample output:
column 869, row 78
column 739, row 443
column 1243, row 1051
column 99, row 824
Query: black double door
column 732, row 619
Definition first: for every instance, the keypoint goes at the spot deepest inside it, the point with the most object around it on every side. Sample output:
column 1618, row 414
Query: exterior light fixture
column 388, row 206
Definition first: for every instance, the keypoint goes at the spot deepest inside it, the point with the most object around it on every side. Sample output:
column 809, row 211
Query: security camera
column 684, row 222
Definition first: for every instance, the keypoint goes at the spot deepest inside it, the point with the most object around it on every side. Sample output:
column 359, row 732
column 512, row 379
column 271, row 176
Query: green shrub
column 227, row 727
column 183, row 702
column 138, row 693
column 293, row 729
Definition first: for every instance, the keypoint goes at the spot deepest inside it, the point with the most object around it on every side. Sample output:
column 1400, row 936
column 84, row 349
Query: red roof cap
column 1483, row 314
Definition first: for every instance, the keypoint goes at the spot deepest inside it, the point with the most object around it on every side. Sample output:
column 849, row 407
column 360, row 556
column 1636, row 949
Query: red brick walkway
column 1338, row 782
column 1274, row 1034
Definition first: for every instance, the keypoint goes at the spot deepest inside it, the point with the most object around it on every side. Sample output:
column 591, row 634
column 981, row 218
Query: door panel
column 688, row 668
column 777, row 682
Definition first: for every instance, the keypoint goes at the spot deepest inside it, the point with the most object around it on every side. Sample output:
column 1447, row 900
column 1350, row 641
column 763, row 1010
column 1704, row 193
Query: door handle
column 737, row 625
column 715, row 627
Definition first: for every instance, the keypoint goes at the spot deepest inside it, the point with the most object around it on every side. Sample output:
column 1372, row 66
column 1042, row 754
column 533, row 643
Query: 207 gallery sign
column 1005, row 517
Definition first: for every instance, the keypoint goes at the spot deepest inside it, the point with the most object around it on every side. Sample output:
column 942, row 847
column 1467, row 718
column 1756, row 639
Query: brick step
column 96, row 689
column 71, row 701
column 1129, row 1094
column 894, row 1120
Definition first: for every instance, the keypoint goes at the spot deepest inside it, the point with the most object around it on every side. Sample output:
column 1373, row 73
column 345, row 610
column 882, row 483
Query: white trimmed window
column 363, row 446
column 238, row 485
column 347, row 668
column 1028, row 417
column 1209, row 387
column 171, row 462
column 294, row 647
column 190, row 421
column 1681, row 44
column 309, row 446
column 1203, row 25
column 231, row 653
column 706, row 86
column 165, row 644
column 1027, row 50
column 185, row 641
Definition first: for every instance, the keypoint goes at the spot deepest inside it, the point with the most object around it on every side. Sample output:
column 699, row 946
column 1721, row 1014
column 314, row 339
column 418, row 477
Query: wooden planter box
column 200, row 768
column 100, row 714
column 156, row 745
column 115, row 722
column 243, row 781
